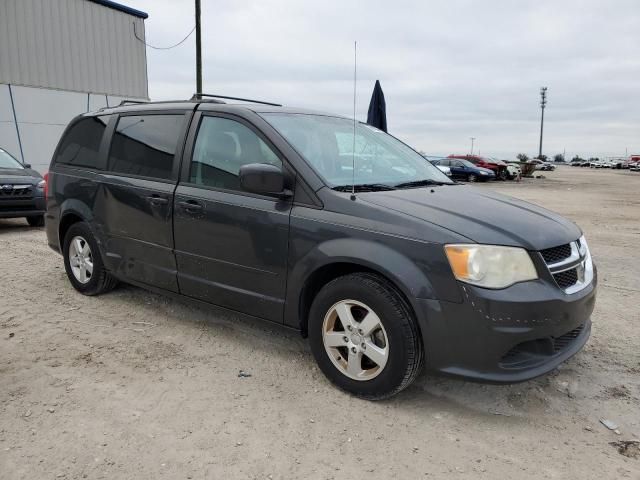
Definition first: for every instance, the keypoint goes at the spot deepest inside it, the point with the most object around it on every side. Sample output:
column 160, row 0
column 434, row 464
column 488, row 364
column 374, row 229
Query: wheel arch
column 341, row 257
column 72, row 211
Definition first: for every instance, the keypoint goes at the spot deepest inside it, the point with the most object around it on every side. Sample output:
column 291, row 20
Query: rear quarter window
column 145, row 145
column 80, row 146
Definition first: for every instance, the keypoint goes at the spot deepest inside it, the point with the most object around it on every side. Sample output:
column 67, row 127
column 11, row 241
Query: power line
column 135, row 33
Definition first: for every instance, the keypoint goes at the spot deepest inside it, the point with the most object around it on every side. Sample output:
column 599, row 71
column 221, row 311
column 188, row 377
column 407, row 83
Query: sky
column 450, row 69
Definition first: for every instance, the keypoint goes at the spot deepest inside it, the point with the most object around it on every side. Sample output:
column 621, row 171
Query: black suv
column 325, row 225
column 21, row 191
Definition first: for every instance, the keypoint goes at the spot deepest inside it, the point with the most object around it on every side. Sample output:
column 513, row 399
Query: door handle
column 157, row 200
column 190, row 205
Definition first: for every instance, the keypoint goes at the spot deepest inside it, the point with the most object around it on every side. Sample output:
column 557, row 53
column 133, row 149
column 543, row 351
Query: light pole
column 198, row 50
column 543, row 103
column 472, row 140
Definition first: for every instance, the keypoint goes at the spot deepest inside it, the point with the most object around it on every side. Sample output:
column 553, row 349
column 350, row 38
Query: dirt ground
column 132, row 385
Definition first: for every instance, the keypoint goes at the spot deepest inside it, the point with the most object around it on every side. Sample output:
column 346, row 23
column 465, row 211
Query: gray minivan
column 325, row 225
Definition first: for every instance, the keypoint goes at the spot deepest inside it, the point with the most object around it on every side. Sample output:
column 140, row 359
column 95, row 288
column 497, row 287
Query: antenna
column 353, row 152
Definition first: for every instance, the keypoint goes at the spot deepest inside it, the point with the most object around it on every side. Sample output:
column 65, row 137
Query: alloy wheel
column 355, row 340
column 81, row 259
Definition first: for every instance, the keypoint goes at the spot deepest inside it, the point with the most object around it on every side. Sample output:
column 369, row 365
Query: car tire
column 503, row 175
column 37, row 221
column 378, row 351
column 472, row 178
column 83, row 262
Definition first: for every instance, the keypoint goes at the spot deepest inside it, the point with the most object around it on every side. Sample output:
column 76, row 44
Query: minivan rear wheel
column 364, row 336
column 83, row 262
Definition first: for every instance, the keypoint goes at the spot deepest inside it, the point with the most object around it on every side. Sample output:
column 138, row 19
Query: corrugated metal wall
column 73, row 45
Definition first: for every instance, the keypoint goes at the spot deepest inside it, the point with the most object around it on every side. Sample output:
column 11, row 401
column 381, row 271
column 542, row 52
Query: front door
column 457, row 169
column 230, row 245
column 133, row 206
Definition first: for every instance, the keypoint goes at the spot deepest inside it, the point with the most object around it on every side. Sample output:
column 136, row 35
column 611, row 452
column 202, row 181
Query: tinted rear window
column 145, row 145
column 80, row 147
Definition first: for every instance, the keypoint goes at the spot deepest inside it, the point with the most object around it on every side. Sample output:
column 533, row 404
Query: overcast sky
column 450, row 70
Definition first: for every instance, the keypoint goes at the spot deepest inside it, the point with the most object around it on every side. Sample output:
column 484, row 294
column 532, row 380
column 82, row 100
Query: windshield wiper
column 364, row 187
column 422, row 183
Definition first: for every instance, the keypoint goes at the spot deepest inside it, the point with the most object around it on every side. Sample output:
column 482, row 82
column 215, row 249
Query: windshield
column 7, row 161
column 326, row 143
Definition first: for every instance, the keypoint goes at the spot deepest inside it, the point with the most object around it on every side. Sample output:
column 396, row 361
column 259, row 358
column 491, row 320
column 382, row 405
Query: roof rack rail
column 135, row 102
column 199, row 96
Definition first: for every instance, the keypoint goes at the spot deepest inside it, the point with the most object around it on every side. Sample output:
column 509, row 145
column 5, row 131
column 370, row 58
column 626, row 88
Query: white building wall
column 42, row 116
column 8, row 136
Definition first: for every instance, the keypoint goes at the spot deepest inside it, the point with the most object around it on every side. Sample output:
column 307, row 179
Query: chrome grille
column 567, row 278
column 570, row 265
column 556, row 254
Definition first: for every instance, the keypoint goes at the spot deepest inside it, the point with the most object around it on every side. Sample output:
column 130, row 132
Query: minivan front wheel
column 364, row 336
column 83, row 263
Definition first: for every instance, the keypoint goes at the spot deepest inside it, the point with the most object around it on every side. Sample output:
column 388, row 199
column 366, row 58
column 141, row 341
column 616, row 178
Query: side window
column 222, row 147
column 145, row 145
column 81, row 145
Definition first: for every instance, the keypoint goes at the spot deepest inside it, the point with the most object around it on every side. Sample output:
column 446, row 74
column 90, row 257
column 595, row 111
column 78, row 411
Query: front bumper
column 28, row 207
column 506, row 336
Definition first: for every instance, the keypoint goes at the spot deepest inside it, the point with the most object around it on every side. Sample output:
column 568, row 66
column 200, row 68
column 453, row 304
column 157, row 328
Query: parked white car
column 514, row 171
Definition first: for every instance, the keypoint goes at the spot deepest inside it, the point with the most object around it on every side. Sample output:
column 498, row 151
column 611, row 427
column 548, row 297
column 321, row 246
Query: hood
column 500, row 163
column 481, row 215
column 19, row 175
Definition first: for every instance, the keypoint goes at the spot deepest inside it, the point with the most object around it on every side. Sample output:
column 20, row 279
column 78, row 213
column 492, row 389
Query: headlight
column 482, row 173
column 490, row 266
column 41, row 184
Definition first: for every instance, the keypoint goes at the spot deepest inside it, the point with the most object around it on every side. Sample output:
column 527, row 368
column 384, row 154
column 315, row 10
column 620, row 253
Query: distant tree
column 558, row 158
column 594, row 159
column 542, row 157
column 523, row 157
column 577, row 158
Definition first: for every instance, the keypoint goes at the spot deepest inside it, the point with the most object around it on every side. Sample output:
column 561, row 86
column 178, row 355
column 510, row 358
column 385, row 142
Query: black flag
column 377, row 116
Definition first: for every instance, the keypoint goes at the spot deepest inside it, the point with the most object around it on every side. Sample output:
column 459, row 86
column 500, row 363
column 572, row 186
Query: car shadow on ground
column 429, row 393
column 12, row 225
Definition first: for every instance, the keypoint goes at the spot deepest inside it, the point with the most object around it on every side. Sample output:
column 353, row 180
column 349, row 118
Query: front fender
column 406, row 275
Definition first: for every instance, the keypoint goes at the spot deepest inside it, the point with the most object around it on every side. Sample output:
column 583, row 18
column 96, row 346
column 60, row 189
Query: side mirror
column 265, row 179
column 26, row 165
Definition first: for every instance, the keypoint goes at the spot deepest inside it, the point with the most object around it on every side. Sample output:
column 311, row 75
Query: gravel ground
column 135, row 385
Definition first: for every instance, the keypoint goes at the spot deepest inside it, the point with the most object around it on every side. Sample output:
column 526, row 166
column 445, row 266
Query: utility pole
column 543, row 103
column 472, row 140
column 198, row 50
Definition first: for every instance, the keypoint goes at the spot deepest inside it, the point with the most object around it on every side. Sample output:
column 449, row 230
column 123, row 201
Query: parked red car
column 497, row 166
